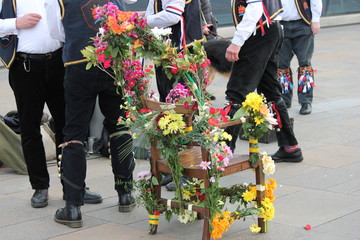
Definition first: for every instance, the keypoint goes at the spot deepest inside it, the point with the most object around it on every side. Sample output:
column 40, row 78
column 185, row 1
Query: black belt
column 45, row 56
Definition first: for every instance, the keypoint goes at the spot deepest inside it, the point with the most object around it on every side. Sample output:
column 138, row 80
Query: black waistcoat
column 80, row 26
column 191, row 20
column 8, row 44
column 273, row 8
column 303, row 7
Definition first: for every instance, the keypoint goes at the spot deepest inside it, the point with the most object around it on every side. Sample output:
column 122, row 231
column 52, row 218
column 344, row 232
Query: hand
column 29, row 20
column 315, row 27
column 206, row 30
column 232, row 53
column 141, row 14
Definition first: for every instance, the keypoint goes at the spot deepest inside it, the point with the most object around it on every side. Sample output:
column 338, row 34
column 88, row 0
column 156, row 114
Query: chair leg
column 206, row 227
column 260, row 181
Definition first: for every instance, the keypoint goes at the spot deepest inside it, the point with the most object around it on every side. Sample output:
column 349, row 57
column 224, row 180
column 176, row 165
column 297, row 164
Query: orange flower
column 123, row 16
column 264, row 110
column 126, row 26
column 116, row 28
column 138, row 43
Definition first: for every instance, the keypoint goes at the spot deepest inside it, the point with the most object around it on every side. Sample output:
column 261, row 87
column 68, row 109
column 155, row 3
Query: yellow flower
column 258, row 120
column 267, row 209
column 226, row 136
column 248, row 196
column 255, row 228
column 254, row 101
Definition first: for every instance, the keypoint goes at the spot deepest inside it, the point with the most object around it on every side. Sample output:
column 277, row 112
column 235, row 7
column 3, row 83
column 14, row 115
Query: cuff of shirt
column 10, row 26
column 315, row 19
column 239, row 41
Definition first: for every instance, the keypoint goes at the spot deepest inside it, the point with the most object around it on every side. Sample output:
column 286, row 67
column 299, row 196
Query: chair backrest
column 163, row 107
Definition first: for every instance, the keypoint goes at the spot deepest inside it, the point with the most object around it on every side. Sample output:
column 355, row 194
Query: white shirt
column 33, row 40
column 247, row 26
column 170, row 15
column 291, row 13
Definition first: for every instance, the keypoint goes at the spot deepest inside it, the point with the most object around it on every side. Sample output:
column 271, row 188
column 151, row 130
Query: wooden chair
column 190, row 159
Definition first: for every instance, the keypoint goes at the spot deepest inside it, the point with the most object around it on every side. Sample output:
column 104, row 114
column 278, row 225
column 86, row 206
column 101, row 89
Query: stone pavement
column 323, row 190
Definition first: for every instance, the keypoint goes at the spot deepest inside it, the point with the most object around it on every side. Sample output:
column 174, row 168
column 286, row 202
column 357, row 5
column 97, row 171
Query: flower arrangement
column 147, row 197
column 257, row 119
column 122, row 35
column 123, row 39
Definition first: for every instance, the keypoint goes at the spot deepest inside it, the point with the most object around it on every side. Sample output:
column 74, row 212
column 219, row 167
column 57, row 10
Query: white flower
column 101, row 31
column 188, row 216
column 160, row 32
column 243, row 119
column 268, row 164
column 270, row 118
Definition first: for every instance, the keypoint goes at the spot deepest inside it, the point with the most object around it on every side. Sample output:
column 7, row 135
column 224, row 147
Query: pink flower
column 101, row 58
column 205, row 165
column 107, row 63
column 144, row 175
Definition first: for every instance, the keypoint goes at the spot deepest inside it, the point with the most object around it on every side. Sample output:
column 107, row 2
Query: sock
column 291, row 148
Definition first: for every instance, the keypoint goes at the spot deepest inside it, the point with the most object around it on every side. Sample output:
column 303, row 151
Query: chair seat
column 190, row 159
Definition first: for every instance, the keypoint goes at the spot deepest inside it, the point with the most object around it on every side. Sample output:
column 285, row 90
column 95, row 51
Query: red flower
column 174, row 69
column 144, row 110
column 186, row 105
column 213, row 122
column 107, row 63
column 101, row 58
column 307, row 227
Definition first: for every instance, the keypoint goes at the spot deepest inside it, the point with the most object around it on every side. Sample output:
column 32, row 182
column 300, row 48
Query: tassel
column 306, row 80
column 284, row 77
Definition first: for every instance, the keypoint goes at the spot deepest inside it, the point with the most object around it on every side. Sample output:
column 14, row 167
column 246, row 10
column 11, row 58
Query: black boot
column 70, row 216
column 40, row 198
column 283, row 156
column 126, row 202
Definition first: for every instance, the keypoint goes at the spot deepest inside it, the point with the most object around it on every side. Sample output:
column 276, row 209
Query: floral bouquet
column 122, row 35
column 147, row 198
column 257, row 119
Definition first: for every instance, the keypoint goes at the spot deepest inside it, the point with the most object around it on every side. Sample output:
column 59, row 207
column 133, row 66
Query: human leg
column 284, row 70
column 247, row 72
column 271, row 89
column 28, row 87
column 303, row 48
column 80, row 96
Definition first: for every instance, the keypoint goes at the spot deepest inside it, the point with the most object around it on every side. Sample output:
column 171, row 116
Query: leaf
column 240, row 113
column 154, row 181
column 89, row 65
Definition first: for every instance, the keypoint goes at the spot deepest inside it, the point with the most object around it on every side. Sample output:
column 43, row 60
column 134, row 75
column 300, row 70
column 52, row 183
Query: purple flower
column 144, row 175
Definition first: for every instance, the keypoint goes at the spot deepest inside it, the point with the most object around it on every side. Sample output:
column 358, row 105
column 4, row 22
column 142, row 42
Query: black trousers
column 81, row 90
column 257, row 69
column 36, row 82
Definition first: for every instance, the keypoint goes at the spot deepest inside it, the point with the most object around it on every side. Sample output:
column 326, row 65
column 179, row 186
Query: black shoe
column 126, row 202
column 282, row 156
column 70, row 216
column 90, row 197
column 305, row 108
column 40, row 198
column 171, row 186
column 166, row 179
column 288, row 104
